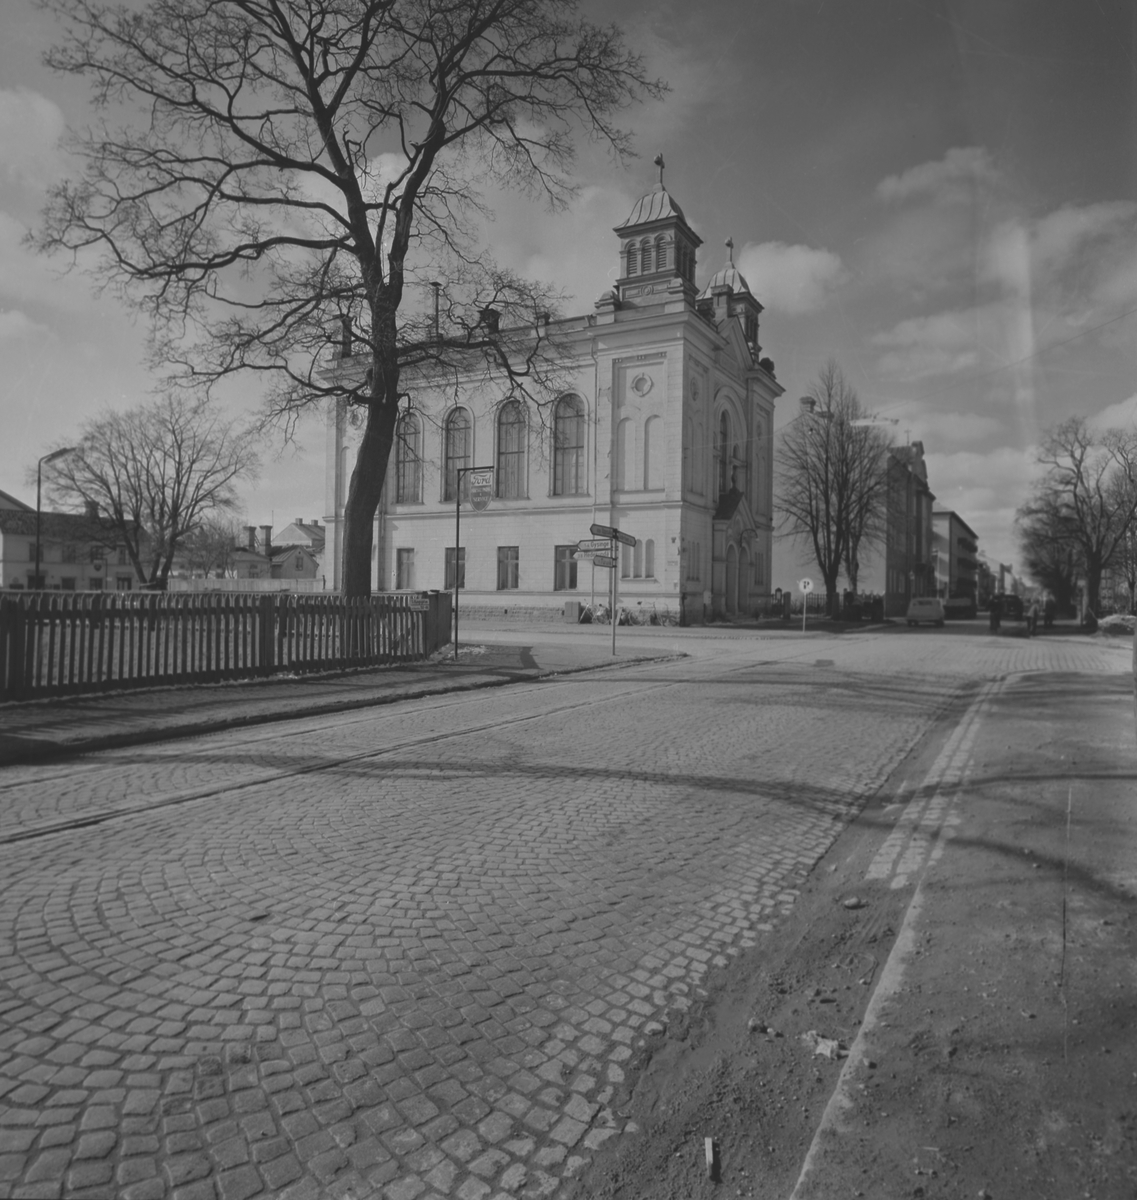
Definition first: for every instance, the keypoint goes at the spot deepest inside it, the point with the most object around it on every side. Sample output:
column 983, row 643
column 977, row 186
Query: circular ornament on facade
column 641, row 385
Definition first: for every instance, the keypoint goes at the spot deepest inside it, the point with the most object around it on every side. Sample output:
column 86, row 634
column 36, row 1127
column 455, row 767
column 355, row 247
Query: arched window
column 408, row 460
column 568, row 447
column 660, row 253
column 645, row 257
column 649, row 558
column 633, row 258
column 456, row 453
column 638, row 560
column 623, row 474
column 652, row 454
column 722, row 452
column 511, row 451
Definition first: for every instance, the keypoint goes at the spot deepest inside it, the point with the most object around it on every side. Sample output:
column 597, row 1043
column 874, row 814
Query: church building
column 664, row 431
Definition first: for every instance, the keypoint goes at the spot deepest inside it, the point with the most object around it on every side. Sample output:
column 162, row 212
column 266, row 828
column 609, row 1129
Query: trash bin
column 572, row 612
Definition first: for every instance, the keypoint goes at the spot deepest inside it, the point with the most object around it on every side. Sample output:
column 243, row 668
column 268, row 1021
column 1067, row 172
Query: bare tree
column 1086, row 500
column 300, row 165
column 208, row 549
column 156, row 472
column 833, row 491
column 1049, row 555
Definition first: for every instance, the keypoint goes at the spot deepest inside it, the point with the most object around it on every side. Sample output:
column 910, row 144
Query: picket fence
column 67, row 643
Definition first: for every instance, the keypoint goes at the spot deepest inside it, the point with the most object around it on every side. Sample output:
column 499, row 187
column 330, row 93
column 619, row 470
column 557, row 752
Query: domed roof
column 730, row 276
column 655, row 206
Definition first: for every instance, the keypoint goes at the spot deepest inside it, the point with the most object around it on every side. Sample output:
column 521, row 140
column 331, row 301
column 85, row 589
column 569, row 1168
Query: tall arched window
column 408, row 460
column 456, row 453
column 646, row 266
column 649, row 558
column 623, row 474
column 722, row 452
column 511, row 451
column 660, row 253
column 568, row 447
column 652, row 473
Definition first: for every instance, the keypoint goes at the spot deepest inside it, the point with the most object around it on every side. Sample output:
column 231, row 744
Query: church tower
column 657, row 252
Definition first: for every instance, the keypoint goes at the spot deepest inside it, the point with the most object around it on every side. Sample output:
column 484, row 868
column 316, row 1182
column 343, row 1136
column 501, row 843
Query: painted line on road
column 943, row 781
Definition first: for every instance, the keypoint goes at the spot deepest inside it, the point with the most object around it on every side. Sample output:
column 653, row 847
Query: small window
column 404, row 570
column 508, row 563
column 67, row 583
column 124, row 583
column 95, row 583
column 649, row 558
column 455, row 563
column 564, row 568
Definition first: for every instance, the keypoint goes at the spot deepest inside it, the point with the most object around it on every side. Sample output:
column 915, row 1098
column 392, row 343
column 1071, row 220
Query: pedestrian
column 995, row 611
column 1048, row 610
column 1032, row 616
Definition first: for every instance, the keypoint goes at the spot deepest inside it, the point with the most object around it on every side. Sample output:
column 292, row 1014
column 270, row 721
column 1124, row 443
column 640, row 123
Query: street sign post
column 604, row 560
column 418, row 603
column 805, row 586
column 610, row 531
column 595, row 545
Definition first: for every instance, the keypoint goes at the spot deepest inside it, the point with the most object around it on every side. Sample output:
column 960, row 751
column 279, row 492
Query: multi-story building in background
column 955, row 552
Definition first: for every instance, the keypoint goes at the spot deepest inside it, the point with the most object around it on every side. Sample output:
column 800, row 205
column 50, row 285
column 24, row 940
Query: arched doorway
column 731, row 580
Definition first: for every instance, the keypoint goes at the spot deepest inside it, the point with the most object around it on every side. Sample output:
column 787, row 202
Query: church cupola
column 657, row 249
column 728, row 295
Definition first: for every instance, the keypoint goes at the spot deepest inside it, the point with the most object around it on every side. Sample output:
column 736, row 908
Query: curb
column 40, row 751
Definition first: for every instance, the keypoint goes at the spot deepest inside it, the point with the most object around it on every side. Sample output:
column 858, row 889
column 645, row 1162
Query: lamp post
column 39, row 487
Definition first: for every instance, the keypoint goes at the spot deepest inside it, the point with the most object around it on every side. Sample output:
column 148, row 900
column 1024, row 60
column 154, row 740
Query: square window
column 450, row 567
column 404, row 570
column 564, row 568
column 508, row 568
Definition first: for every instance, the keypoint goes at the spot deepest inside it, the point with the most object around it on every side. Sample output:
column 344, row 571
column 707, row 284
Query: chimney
column 808, row 405
column 297, row 520
column 251, row 538
column 92, row 507
column 266, row 540
column 314, row 522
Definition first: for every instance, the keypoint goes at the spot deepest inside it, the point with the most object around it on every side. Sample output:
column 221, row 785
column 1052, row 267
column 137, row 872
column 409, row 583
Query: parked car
column 925, row 608
column 961, row 607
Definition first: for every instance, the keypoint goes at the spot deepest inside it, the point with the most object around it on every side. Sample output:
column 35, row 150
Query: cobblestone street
column 409, row 953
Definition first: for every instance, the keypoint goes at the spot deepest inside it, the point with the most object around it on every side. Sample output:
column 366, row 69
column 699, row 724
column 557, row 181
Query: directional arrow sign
column 604, row 560
column 610, row 531
column 584, row 555
column 600, row 545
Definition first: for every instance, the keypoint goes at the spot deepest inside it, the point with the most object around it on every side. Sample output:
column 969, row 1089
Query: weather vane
column 658, row 160
column 729, row 244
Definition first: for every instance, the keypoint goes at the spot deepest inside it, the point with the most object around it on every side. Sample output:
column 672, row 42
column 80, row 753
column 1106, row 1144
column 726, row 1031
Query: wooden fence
column 66, row 643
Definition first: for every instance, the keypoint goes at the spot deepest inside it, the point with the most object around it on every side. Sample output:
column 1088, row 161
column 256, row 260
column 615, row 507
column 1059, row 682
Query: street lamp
column 39, row 482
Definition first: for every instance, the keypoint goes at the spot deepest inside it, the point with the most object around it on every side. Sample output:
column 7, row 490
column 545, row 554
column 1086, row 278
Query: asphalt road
column 410, row 952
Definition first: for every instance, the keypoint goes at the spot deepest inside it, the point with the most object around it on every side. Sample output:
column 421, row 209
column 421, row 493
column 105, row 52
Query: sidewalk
column 996, row 1058
column 45, row 729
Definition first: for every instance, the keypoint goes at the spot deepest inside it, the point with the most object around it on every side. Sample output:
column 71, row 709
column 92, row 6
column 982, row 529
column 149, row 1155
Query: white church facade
column 664, row 430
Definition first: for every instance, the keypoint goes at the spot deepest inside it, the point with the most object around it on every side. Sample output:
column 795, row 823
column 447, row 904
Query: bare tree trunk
column 363, row 496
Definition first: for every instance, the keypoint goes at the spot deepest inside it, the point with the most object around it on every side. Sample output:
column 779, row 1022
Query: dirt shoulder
column 983, row 984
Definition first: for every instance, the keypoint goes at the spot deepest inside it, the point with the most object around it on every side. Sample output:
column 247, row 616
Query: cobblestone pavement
column 409, row 953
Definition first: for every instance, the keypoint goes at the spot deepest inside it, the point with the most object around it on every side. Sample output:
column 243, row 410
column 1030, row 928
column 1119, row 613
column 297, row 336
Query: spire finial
column 658, row 160
column 729, row 243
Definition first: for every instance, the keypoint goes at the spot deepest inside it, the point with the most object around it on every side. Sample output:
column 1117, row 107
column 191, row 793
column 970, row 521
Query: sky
column 939, row 195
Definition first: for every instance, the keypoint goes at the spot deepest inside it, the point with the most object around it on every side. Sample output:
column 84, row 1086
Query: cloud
column 953, row 177
column 18, row 326
column 940, row 344
column 1122, row 415
column 791, row 279
column 30, row 128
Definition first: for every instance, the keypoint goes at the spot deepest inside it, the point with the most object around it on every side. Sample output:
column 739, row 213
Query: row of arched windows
column 648, row 255
column 625, row 473
column 569, row 477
